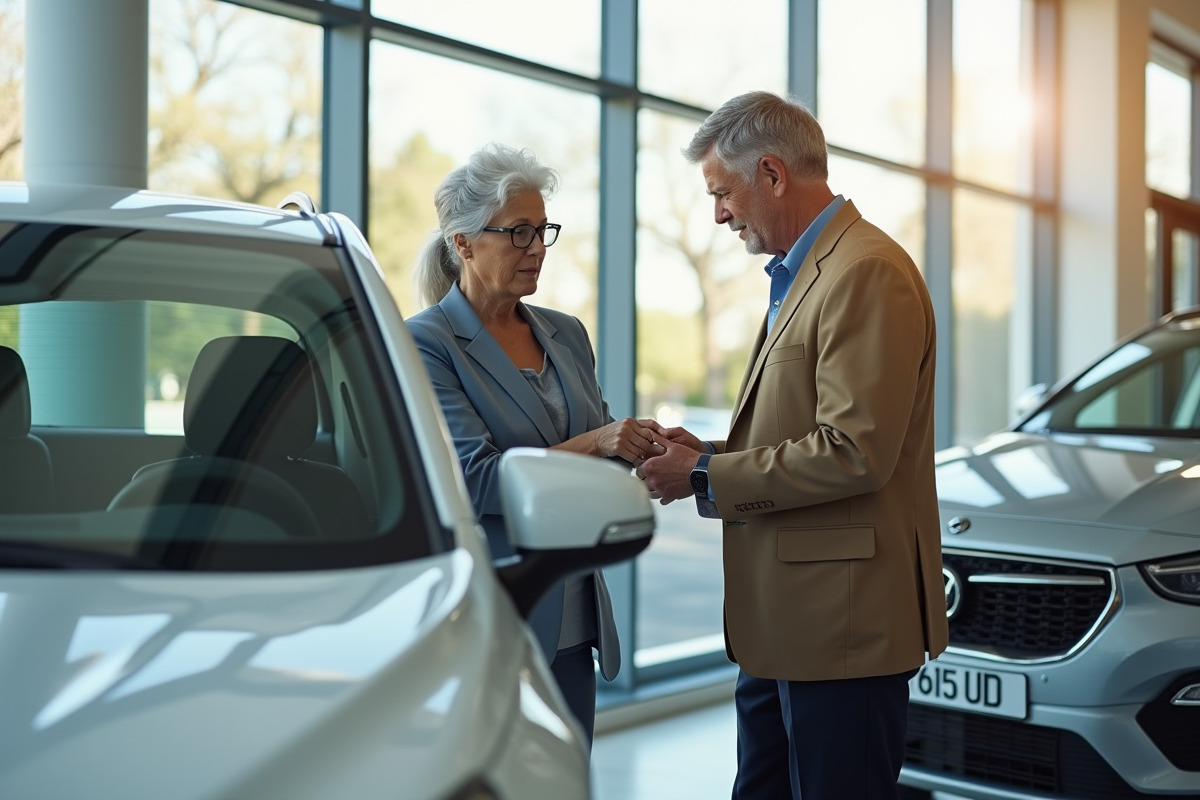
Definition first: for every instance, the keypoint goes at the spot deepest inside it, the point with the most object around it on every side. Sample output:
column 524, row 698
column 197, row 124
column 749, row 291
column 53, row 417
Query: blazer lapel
column 810, row 270
column 488, row 354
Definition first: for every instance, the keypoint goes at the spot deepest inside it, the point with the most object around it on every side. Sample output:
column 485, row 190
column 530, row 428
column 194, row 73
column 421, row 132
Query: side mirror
column 567, row 513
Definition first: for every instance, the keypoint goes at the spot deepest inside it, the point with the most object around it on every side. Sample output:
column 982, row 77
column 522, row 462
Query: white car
column 1071, row 556
column 237, row 556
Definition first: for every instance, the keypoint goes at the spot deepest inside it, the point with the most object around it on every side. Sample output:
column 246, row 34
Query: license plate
column 983, row 691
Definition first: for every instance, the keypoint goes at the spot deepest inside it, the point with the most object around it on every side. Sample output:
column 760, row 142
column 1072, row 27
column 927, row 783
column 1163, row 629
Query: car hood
column 201, row 686
column 1118, row 498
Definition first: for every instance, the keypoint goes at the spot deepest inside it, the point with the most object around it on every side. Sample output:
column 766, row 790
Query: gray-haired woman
column 509, row 374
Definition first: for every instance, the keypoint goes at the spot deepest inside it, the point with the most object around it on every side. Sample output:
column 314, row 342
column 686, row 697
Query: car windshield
column 190, row 401
column 1148, row 386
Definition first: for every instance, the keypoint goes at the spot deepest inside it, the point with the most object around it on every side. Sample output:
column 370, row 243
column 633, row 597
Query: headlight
column 1177, row 579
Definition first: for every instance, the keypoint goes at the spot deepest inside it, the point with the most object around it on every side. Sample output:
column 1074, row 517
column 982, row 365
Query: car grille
column 1026, row 609
column 1012, row 755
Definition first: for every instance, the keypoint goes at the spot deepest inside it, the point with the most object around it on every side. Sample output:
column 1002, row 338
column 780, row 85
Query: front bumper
column 1099, row 723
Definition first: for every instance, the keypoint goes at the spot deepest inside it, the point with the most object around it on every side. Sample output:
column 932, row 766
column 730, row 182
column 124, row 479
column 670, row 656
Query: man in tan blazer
column 832, row 556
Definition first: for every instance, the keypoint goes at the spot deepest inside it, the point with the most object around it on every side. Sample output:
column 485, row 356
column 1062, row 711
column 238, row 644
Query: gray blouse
column 579, row 594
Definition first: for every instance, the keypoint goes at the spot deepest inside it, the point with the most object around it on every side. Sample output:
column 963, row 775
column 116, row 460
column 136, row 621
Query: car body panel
column 254, row 677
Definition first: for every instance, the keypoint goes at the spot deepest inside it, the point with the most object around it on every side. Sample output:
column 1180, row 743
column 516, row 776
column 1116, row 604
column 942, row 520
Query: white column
column 1105, row 44
column 86, row 120
column 86, row 73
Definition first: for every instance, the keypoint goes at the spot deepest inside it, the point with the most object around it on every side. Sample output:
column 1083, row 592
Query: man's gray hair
column 466, row 200
column 757, row 124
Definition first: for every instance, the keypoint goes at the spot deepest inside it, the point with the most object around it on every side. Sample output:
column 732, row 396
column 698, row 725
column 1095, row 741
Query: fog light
column 1187, row 696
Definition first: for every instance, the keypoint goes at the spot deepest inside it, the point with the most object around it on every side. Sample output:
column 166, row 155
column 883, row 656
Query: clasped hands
column 663, row 457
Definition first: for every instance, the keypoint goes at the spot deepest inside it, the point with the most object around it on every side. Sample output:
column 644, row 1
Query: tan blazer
column 832, row 550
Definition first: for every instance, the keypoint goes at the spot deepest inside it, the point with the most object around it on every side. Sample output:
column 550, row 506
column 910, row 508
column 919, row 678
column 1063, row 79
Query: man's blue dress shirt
column 783, row 270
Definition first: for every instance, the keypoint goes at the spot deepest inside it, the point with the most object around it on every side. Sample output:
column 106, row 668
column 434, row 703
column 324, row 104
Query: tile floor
column 686, row 755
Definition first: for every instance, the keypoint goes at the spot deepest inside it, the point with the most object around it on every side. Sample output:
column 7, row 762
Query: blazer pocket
column 841, row 543
column 789, row 353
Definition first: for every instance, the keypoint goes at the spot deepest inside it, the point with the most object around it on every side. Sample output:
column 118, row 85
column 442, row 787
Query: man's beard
column 755, row 245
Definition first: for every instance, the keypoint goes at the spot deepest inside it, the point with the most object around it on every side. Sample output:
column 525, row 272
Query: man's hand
column 667, row 476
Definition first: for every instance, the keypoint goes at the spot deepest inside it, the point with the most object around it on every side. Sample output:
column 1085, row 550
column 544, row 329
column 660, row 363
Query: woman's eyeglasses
column 522, row 235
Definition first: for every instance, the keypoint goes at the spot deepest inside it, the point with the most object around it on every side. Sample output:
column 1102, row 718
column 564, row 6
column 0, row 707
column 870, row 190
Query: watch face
column 699, row 481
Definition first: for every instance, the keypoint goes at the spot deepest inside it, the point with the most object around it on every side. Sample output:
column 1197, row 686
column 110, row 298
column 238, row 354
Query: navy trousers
column 820, row 740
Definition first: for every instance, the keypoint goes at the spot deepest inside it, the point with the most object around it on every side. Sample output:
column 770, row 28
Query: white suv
column 237, row 557
column 1071, row 557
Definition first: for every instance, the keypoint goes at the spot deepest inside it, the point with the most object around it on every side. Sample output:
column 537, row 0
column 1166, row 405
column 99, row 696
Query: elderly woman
column 510, row 374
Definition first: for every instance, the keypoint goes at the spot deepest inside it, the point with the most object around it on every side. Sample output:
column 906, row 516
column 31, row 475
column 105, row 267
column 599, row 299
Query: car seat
column 26, row 470
column 251, row 402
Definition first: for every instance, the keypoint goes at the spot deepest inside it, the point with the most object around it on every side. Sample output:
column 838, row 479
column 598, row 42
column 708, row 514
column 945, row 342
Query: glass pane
column 699, row 55
column 993, row 105
column 235, row 102
column 1184, row 286
column 990, row 277
column 411, row 153
column 893, row 201
column 561, row 33
column 700, row 301
column 12, row 90
column 871, row 77
column 1168, row 130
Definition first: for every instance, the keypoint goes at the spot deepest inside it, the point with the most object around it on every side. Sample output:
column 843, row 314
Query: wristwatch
column 699, row 476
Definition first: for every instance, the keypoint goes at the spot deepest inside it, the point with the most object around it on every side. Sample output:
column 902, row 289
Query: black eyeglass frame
column 538, row 230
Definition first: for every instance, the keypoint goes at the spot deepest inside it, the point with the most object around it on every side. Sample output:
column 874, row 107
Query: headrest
column 250, row 397
column 14, row 395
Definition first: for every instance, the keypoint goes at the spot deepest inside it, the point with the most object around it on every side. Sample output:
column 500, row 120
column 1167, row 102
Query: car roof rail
column 298, row 201
column 301, row 202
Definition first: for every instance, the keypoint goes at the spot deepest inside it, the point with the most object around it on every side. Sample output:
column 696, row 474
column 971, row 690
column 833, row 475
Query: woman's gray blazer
column 490, row 407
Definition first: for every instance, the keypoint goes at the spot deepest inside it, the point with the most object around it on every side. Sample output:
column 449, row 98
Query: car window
column 195, row 401
column 1149, row 386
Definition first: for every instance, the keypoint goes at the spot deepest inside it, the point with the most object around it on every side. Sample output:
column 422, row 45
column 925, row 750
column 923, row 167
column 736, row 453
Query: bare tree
column 684, row 227
column 235, row 103
column 12, row 61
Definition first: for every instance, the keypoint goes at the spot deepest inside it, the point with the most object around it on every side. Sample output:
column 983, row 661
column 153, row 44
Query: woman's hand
column 634, row 440
column 684, row 437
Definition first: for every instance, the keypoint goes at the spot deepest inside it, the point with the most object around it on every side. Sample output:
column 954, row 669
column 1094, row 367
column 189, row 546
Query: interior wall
column 1102, row 263
column 1105, row 280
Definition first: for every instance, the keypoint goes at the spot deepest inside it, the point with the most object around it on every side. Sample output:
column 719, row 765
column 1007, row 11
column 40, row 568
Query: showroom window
column 992, row 240
column 235, row 102
column 991, row 261
column 420, row 131
column 12, row 57
column 871, row 94
column 715, row 47
column 1173, row 229
column 993, row 95
column 565, row 35
column 1169, row 91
